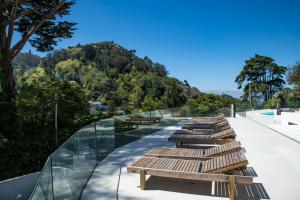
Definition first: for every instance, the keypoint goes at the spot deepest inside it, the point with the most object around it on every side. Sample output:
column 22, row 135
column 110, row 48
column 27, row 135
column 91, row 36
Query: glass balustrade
column 67, row 170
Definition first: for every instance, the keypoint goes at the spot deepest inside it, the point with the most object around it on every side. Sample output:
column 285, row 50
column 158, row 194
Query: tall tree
column 294, row 79
column 39, row 22
column 294, row 75
column 262, row 76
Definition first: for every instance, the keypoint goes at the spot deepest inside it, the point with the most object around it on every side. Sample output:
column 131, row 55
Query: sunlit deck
column 274, row 158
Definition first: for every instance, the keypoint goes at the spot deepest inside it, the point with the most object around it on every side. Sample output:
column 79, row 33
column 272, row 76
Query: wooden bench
column 219, row 169
column 215, row 126
column 221, row 137
column 208, row 119
column 195, row 154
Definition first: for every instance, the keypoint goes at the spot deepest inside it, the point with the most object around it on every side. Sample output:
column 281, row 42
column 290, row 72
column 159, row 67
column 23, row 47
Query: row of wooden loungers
column 223, row 163
column 215, row 124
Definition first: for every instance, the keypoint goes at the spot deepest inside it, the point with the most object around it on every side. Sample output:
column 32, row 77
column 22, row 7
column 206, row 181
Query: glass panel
column 105, row 137
column 64, row 170
column 128, row 128
column 43, row 188
column 73, row 163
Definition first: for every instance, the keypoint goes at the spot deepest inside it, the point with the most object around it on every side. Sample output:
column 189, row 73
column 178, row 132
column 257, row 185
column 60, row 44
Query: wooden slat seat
column 168, row 152
column 228, row 147
column 194, row 132
column 220, row 164
column 223, row 130
column 225, row 134
column 214, row 169
column 207, row 119
column 191, row 126
column 197, row 154
column 225, row 163
column 221, row 137
column 221, row 123
column 202, row 131
column 214, row 125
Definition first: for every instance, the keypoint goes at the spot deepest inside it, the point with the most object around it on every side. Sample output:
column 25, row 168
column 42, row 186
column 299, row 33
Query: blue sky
column 203, row 41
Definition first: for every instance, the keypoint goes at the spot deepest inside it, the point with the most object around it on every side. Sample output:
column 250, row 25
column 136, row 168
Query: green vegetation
column 116, row 77
column 264, row 83
column 262, row 77
column 210, row 104
column 27, row 133
column 27, row 110
column 294, row 79
column 288, row 97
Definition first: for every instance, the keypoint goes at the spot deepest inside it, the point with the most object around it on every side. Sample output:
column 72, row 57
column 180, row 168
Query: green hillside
column 117, row 77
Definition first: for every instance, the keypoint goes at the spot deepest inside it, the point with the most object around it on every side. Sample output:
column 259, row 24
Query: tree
column 186, row 83
column 150, row 103
column 294, row 80
column 160, row 69
column 68, row 70
column 294, row 76
column 209, row 104
column 262, row 76
column 39, row 22
column 285, row 98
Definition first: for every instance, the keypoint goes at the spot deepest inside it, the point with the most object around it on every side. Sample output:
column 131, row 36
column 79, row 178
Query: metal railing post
column 232, row 110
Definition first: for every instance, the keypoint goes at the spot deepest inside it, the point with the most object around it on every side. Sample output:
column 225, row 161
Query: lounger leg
column 213, row 185
column 232, row 187
column 142, row 179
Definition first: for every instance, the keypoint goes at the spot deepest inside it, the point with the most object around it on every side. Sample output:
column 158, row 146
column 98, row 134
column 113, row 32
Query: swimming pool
column 268, row 113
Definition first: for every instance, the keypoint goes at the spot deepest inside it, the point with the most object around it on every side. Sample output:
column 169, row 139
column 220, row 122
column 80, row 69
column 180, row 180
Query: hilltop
column 117, row 77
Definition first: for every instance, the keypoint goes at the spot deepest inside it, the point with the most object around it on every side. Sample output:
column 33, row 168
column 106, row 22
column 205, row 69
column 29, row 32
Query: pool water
column 268, row 113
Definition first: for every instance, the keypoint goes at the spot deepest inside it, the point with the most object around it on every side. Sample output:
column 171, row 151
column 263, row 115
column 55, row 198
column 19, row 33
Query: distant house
column 120, row 111
column 97, row 106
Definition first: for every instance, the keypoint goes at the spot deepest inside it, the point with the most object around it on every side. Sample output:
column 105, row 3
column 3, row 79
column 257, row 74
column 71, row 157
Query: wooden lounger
column 225, row 134
column 207, row 119
column 221, row 123
column 191, row 126
column 215, row 169
column 221, row 137
column 203, row 131
column 140, row 120
column 194, row 132
column 195, row 154
column 213, row 129
column 205, row 125
column 220, row 128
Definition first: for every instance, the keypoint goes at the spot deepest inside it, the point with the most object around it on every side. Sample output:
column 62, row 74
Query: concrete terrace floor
column 274, row 158
column 290, row 131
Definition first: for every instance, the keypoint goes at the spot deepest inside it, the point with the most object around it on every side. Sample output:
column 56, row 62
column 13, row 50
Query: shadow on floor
column 254, row 191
